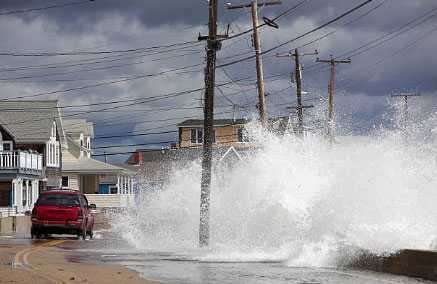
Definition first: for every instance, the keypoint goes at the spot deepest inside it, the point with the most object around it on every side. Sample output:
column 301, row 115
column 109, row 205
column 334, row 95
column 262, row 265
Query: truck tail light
column 80, row 216
column 34, row 215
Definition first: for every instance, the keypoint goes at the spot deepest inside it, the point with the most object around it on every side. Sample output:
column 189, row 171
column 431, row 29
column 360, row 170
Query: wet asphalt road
column 171, row 267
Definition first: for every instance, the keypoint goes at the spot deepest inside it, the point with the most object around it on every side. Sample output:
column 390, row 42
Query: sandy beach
column 49, row 261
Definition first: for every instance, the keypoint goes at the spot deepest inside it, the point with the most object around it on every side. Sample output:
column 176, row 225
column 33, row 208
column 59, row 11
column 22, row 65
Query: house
column 90, row 176
column 231, row 145
column 227, row 132
column 30, row 152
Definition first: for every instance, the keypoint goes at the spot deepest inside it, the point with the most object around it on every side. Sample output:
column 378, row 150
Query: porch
column 18, row 195
column 21, row 162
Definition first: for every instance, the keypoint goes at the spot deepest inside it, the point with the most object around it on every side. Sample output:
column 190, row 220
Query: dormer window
column 53, row 134
column 88, row 146
column 81, row 144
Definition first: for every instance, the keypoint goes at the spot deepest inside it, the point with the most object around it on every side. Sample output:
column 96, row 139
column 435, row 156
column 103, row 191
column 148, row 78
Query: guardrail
column 8, row 212
column 21, row 161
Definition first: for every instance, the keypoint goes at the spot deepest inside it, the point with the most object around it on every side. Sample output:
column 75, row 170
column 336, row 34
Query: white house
column 30, row 152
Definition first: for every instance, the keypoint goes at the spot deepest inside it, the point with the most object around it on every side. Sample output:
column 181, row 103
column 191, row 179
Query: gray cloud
column 113, row 24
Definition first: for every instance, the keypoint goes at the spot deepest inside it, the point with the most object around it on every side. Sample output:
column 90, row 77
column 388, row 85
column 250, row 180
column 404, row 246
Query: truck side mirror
column 92, row 206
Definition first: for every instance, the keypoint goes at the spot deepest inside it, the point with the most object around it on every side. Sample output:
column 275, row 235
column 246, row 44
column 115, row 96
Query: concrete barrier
column 20, row 225
column 6, row 226
column 407, row 262
column 15, row 225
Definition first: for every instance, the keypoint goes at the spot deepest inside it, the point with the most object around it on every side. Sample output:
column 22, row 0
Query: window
column 7, row 146
column 65, row 181
column 196, row 136
column 24, row 193
column 242, row 135
column 54, row 130
column 113, row 189
column 30, row 192
column 62, row 200
column 52, row 149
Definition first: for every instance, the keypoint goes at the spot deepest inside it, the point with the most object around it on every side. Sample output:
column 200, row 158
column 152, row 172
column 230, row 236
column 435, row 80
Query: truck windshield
column 63, row 200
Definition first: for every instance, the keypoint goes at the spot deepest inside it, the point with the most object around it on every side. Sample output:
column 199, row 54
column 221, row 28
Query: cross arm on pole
column 406, row 95
column 240, row 6
column 333, row 61
column 301, row 107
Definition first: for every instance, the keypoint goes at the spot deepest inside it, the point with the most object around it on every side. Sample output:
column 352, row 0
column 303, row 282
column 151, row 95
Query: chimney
column 140, row 158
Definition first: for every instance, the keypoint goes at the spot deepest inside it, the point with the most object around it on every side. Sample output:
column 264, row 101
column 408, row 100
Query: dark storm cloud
column 118, row 24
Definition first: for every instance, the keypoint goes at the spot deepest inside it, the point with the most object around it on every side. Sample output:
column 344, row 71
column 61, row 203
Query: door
column 5, row 194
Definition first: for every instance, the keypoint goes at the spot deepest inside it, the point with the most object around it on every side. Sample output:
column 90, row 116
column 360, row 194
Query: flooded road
column 185, row 267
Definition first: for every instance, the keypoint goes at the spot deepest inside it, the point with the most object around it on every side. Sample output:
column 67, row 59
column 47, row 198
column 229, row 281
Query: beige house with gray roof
column 81, row 172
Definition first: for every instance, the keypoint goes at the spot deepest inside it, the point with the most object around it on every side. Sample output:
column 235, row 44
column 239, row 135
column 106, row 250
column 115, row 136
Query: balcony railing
column 21, row 161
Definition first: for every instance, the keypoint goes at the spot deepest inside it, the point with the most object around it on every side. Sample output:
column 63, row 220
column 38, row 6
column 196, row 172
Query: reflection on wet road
column 183, row 267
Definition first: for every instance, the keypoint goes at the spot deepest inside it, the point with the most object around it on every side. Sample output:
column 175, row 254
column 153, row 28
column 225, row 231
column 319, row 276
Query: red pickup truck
column 62, row 212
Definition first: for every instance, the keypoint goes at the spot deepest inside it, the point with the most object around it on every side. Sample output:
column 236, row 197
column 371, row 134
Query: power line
column 389, row 36
column 14, row 12
column 105, row 83
column 345, row 24
column 90, row 69
column 300, row 36
column 134, row 145
column 134, row 135
column 386, row 37
column 286, row 12
column 136, row 102
column 152, row 150
column 89, row 62
column 82, row 53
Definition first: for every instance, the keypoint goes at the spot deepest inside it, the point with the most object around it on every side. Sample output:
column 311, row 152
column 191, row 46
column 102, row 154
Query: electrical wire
column 300, row 36
column 14, row 12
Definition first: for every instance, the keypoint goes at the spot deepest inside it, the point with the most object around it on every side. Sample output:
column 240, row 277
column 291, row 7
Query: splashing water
column 302, row 201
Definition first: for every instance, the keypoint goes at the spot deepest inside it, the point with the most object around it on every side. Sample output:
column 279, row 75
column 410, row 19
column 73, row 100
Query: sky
column 391, row 44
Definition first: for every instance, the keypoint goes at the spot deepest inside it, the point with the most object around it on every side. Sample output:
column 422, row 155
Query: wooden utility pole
column 212, row 46
column 298, row 79
column 333, row 62
column 208, row 123
column 405, row 96
column 257, row 45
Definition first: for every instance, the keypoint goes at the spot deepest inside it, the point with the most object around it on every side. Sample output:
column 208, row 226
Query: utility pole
column 298, row 79
column 333, row 62
column 405, row 96
column 212, row 46
column 257, row 45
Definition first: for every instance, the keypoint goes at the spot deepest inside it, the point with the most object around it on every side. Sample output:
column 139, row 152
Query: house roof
column 186, row 154
column 30, row 121
column 217, row 122
column 78, row 126
column 87, row 165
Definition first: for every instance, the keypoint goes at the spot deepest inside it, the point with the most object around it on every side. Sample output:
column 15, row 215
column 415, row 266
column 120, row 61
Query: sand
column 53, row 264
